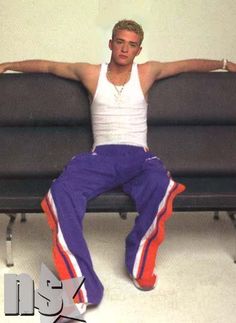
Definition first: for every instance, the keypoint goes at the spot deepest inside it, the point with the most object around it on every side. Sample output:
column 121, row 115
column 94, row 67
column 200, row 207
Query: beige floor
column 197, row 276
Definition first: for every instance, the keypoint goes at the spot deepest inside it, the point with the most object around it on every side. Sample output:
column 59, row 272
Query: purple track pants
column 141, row 175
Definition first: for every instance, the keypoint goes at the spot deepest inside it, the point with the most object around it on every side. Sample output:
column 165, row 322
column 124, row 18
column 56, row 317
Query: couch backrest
column 45, row 121
column 42, row 100
column 192, row 123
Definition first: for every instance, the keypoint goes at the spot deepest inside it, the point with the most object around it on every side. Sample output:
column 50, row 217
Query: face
column 125, row 47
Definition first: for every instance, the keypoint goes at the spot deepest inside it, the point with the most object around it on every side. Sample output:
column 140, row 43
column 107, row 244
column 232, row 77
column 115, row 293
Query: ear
column 110, row 44
column 139, row 51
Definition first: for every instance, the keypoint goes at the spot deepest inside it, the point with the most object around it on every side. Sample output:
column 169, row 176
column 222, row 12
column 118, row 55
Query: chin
column 123, row 62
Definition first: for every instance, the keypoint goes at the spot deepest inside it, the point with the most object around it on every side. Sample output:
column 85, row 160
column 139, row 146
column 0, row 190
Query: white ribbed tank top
column 120, row 120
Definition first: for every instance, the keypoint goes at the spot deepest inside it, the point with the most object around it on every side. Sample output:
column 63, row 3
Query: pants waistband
column 119, row 148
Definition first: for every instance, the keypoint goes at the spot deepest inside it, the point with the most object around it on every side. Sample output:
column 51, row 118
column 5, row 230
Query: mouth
column 123, row 56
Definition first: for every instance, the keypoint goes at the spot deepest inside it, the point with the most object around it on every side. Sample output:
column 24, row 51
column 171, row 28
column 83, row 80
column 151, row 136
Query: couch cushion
column 202, row 193
column 185, row 150
column 195, row 150
column 193, row 99
column 40, row 151
column 42, row 100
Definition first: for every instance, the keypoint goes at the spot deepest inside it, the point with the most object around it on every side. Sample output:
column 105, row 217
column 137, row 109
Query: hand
column 231, row 67
column 3, row 68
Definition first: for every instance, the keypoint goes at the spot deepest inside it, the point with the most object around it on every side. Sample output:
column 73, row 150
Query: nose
column 124, row 48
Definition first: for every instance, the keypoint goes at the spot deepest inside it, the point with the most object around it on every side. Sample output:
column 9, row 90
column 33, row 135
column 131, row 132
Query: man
column 119, row 156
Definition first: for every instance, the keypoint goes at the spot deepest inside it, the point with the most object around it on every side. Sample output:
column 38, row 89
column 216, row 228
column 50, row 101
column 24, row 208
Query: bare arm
column 162, row 70
column 73, row 71
column 83, row 72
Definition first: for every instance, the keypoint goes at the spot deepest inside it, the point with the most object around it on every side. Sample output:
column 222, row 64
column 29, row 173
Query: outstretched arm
column 163, row 70
column 83, row 72
column 73, row 71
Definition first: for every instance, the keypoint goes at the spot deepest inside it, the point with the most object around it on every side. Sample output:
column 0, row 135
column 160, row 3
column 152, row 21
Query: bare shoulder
column 84, row 70
column 150, row 68
column 88, row 74
column 148, row 73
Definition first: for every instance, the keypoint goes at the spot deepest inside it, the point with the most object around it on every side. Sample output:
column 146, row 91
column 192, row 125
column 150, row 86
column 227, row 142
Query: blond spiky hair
column 130, row 25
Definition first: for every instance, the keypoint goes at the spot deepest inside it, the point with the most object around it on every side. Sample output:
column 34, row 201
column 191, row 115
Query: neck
column 119, row 69
column 118, row 74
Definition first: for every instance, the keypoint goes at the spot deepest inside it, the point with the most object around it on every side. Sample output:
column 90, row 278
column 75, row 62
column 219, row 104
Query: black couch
column 45, row 120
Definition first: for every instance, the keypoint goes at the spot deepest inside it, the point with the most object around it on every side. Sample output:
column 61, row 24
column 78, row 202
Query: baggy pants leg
column 86, row 176
column 153, row 192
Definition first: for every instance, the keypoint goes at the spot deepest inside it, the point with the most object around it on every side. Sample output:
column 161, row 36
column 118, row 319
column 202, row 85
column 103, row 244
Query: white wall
column 79, row 30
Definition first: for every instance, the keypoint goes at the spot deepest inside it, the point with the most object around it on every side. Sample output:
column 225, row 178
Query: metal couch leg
column 9, row 253
column 23, row 217
column 123, row 215
column 216, row 215
column 233, row 219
